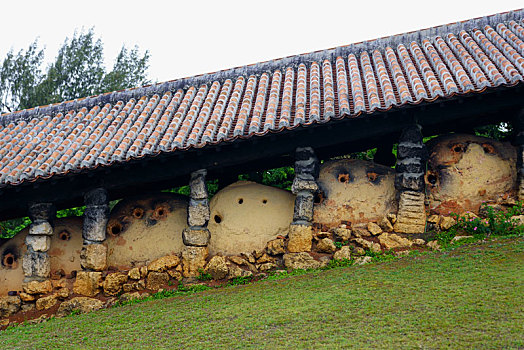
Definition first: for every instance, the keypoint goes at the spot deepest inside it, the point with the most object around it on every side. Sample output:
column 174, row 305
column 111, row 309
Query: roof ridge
column 262, row 67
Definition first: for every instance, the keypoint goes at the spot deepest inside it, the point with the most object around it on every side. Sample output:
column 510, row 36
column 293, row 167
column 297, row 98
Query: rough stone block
column 303, row 207
column 198, row 212
column 47, row 302
column 97, row 196
column 410, row 182
column 303, row 185
column 36, row 287
column 164, row 263
column 38, row 243
column 301, row 260
column 79, row 304
column 43, row 228
column 39, row 212
column 87, row 283
column 342, row 234
column 193, row 259
column 374, row 229
column 197, row 185
column 393, row 241
column 94, row 257
column 274, row 247
column 36, row 264
column 9, row 305
column 411, row 216
column 326, row 245
column 95, row 222
column 300, row 237
column 217, row 267
column 113, row 283
column 156, row 280
column 343, row 254
column 134, row 273
column 196, row 237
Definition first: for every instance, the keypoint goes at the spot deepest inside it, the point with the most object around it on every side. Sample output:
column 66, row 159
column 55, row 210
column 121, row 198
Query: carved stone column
column 93, row 256
column 409, row 181
column 304, row 187
column 196, row 237
column 519, row 143
column 36, row 264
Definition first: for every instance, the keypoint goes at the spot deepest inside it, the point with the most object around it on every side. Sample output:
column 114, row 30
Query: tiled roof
column 344, row 82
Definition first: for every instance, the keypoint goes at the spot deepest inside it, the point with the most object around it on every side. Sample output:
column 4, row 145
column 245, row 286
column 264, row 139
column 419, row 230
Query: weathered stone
column 41, row 229
column 434, row 219
column 267, row 266
column 217, row 267
column 300, row 238
column 322, row 234
column 402, row 253
column 374, row 247
column 518, row 220
column 249, row 257
column 140, row 285
column 326, row 245
column 460, row 238
column 363, row 260
column 433, row 245
column 36, row 264
column 258, row 253
column 95, row 222
column 143, row 271
column 198, row 212
column 393, row 241
column 374, row 229
column 36, row 287
column 392, row 218
column 197, row 184
column 80, row 305
column 361, row 232
column 113, row 283
column 193, row 260
column 343, row 254
column 304, row 185
column 93, row 257
column 342, row 234
column 63, row 293
column 237, row 260
column 87, row 283
column 447, row 222
column 359, row 251
column 96, row 196
column 235, row 271
column 40, row 212
column 47, row 302
column 59, row 283
column 300, row 260
column 385, row 224
column 164, row 263
column 303, row 207
column 264, row 258
column 156, row 280
column 411, row 217
column 9, row 305
column 27, row 307
column 484, row 210
column 275, row 247
column 197, row 237
column 39, row 243
column 25, row 297
column 419, row 241
column 175, row 274
column 134, row 273
column 129, row 296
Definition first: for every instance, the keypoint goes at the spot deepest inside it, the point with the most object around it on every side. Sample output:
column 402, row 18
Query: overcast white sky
column 186, row 38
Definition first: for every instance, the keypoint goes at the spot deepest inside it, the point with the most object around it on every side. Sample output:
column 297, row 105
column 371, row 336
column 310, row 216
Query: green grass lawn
column 469, row 297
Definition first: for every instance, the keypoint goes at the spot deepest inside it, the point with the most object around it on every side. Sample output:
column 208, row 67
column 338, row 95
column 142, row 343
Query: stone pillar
column 196, row 237
column 304, row 187
column 519, row 143
column 409, row 181
column 36, row 264
column 93, row 256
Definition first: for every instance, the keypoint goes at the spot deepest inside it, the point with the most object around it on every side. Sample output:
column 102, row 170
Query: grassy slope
column 471, row 297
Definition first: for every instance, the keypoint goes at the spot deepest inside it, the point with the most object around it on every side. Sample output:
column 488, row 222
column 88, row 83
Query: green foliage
column 241, row 280
column 387, row 255
column 501, row 131
column 77, row 71
column 212, row 189
column 11, row 227
column 278, row 177
column 338, row 263
column 340, row 244
column 204, row 276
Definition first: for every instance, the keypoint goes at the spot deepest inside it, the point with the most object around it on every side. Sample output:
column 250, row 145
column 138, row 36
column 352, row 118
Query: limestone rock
column 433, row 245
column 374, row 247
column 43, row 228
column 175, row 274
column 419, row 241
column 193, row 260
column 134, row 273
column 276, row 246
column 129, row 296
column 35, row 287
column 249, row 258
column 265, row 258
column 343, row 254
column 94, row 257
column 62, row 293
column 36, row 264
column 385, row 224
column 361, row 232
column 25, row 297
column 9, row 305
column 60, row 283
column 434, row 219
column 402, row 253
column 411, row 217
column 27, row 307
column 143, row 271
column 322, row 234
column 300, row 260
column 113, row 283
column 198, row 212
column 39, row 243
column 359, row 251
column 374, row 229
column 326, row 245
column 518, row 220
column 363, row 260
column 217, row 267
column 267, row 266
column 79, row 304
column 235, row 271
column 47, row 302
column 237, row 260
column 447, row 222
column 392, row 218
column 393, row 241
column 342, row 234
column 87, row 283
column 156, row 280
column 460, row 238
column 300, row 238
column 196, row 237
column 164, row 263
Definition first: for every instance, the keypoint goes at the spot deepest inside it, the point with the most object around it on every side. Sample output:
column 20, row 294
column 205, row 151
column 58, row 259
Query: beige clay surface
column 354, row 191
column 66, row 243
column 143, row 229
column 466, row 170
column 246, row 215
